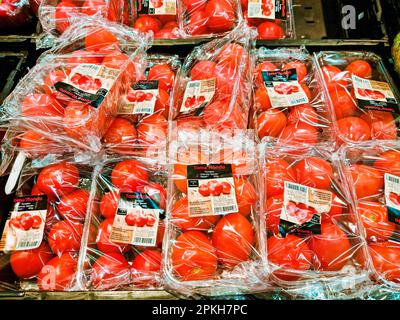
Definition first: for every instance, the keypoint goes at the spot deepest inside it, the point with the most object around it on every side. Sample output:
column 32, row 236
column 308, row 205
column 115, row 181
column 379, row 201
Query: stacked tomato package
column 42, row 235
column 314, row 244
column 14, row 14
column 273, row 19
column 208, row 18
column 158, row 16
column 144, row 109
column 70, row 97
column 123, row 239
column 212, row 235
column 213, row 88
column 57, row 15
column 372, row 171
column 364, row 101
column 288, row 104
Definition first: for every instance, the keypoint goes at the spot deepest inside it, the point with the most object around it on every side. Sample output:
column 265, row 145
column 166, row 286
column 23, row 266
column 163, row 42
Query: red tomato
column 37, row 221
column 110, row 271
column 337, row 207
column 246, row 195
column 162, row 103
column 389, row 161
column 232, row 54
column 226, row 187
column 343, row 102
column 130, row 219
column 215, row 188
column 303, row 113
column 204, row 190
column 63, row 13
column 314, row 172
column 156, row 192
column 58, row 179
column 367, row 181
column 386, row 259
column 354, row 129
column 82, row 56
column 28, row 263
column 383, row 125
column 164, row 74
column 197, row 23
column 65, row 236
column 226, row 77
column 270, row 123
column 152, row 130
column 100, row 39
column 264, row 66
column 146, row 268
column 270, row 31
column 220, row 115
column 103, row 242
column 181, row 219
column 34, row 142
column 203, row 70
column 128, row 175
column 121, row 135
column 92, row 7
column 273, row 209
column 117, row 60
column 167, row 33
column 146, row 23
column 374, row 216
column 290, row 254
column 195, row 5
column 221, row 15
column 261, row 99
column 233, row 239
column 331, row 248
column 59, row 273
column 299, row 133
column 300, row 67
column 73, row 206
column 25, row 221
column 109, row 204
column 277, row 171
column 41, row 105
column 194, row 257
column 360, row 68
column 334, row 76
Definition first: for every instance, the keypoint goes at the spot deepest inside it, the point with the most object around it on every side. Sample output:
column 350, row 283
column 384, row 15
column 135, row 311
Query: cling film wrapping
column 212, row 235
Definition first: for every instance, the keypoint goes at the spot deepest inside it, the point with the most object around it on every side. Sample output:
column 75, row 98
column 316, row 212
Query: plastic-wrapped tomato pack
column 14, row 13
column 213, row 88
column 314, row 239
column 158, row 16
column 144, row 108
column 364, row 102
column 212, row 218
column 288, row 104
column 372, row 172
column 273, row 19
column 57, row 15
column 207, row 18
column 71, row 95
column 125, row 233
column 42, row 235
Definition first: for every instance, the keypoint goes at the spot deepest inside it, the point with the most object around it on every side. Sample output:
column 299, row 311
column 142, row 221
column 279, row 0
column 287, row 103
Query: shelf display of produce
column 198, row 149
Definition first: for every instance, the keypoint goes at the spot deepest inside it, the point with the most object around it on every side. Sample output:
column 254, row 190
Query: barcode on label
column 296, row 187
column 140, row 240
column 300, row 101
column 27, row 244
column 232, row 208
column 393, row 179
column 144, row 110
column 253, row 10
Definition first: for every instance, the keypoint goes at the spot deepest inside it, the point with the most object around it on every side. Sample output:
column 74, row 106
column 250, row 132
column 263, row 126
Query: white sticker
column 197, row 94
column 264, row 9
column 392, row 197
column 141, row 98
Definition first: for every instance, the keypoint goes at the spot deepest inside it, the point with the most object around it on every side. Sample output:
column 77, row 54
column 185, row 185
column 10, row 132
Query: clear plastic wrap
column 212, row 236
column 123, row 238
column 71, row 95
column 274, row 19
column 315, row 243
column 372, row 171
column 158, row 16
column 288, row 104
column 14, row 14
column 42, row 236
column 144, row 108
column 363, row 99
column 208, row 18
column 57, row 15
column 213, row 88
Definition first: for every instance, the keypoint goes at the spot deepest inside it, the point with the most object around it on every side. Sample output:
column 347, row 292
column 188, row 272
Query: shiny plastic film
column 288, row 103
column 70, row 97
column 42, row 236
column 315, row 245
column 364, row 102
column 212, row 235
column 14, row 14
column 124, row 234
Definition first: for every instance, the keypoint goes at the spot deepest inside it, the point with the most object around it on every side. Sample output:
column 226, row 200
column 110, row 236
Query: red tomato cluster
column 366, row 176
column 85, row 82
column 139, row 96
column 305, row 123
column 192, row 102
column 162, row 26
column 54, row 262
column 294, row 255
column 215, row 188
column 355, row 123
column 115, row 265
